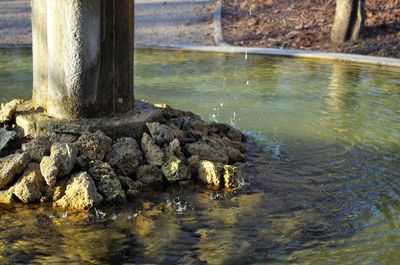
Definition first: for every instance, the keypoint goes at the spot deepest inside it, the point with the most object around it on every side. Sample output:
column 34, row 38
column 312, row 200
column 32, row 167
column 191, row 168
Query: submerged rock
column 149, row 175
column 161, row 133
column 232, row 177
column 11, row 166
column 7, row 110
column 31, row 186
column 211, row 173
column 106, row 181
column 37, row 148
column 219, row 175
column 80, row 193
column 7, row 141
column 152, row 152
column 94, row 146
column 125, row 156
column 175, row 170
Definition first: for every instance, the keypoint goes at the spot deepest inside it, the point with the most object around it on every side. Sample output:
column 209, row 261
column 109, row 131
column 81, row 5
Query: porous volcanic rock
column 232, row 177
column 80, row 193
column 161, row 133
column 95, row 145
column 7, row 196
column 106, row 181
column 31, row 186
column 60, row 162
column 37, row 148
column 8, row 109
column 11, row 166
column 49, row 167
column 206, row 152
column 174, row 169
column 149, row 174
column 125, row 156
column 152, row 152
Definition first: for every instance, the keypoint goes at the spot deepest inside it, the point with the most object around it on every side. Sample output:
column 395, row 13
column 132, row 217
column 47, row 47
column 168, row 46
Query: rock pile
column 82, row 172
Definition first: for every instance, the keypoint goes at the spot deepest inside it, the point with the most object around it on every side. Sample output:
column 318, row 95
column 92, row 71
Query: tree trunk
column 349, row 20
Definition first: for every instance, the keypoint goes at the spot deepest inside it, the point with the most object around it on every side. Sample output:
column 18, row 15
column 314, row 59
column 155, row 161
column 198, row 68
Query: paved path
column 157, row 22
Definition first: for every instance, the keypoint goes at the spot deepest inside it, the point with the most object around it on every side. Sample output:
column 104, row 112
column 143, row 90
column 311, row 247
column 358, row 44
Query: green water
column 322, row 181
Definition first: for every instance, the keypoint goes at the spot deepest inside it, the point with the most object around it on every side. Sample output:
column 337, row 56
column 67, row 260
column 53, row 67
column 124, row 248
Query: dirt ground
column 306, row 24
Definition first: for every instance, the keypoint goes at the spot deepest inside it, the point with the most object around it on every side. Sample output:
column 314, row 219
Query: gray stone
column 80, row 194
column 94, row 146
column 207, row 152
column 7, row 141
column 161, row 133
column 211, row 173
column 232, row 177
column 31, row 186
column 8, row 109
column 174, row 149
column 107, row 182
column 223, row 129
column 152, row 152
column 37, row 148
column 228, row 146
column 49, row 167
column 125, row 156
column 11, row 166
column 66, row 154
column 174, row 170
column 149, row 174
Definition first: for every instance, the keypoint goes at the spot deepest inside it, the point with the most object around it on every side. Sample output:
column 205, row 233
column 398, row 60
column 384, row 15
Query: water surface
column 322, row 182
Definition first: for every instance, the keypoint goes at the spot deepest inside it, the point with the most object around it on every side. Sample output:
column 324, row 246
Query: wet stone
column 175, row 170
column 106, row 181
column 211, row 173
column 149, row 175
column 206, row 152
column 80, row 194
column 125, row 156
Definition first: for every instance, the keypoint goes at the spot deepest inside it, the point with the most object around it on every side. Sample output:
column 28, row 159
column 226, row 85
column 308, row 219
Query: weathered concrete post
column 82, row 57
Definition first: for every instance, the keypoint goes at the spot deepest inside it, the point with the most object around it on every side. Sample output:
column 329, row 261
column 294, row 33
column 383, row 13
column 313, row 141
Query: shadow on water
column 322, row 179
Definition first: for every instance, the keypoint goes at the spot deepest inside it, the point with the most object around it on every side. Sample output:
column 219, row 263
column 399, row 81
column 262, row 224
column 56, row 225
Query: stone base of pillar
column 36, row 123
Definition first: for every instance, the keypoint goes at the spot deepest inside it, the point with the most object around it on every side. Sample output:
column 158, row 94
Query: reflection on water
column 322, row 182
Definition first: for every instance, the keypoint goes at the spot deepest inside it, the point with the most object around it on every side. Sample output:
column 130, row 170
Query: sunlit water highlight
column 322, row 185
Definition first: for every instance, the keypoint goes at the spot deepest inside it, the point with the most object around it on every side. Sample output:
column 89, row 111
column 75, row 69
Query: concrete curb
column 222, row 46
column 218, row 37
column 286, row 53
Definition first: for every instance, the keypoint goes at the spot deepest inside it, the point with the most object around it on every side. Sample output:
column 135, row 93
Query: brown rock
column 7, row 196
column 95, row 145
column 31, row 186
column 232, row 178
column 107, row 183
column 149, row 174
column 80, row 194
column 211, row 173
column 11, row 166
column 125, row 156
column 7, row 110
column 207, row 152
column 152, row 152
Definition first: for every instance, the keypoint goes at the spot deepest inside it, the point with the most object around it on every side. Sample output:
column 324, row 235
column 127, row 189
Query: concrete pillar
column 89, row 57
column 39, row 50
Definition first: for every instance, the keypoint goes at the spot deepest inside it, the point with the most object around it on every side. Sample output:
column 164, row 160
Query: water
column 322, row 185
